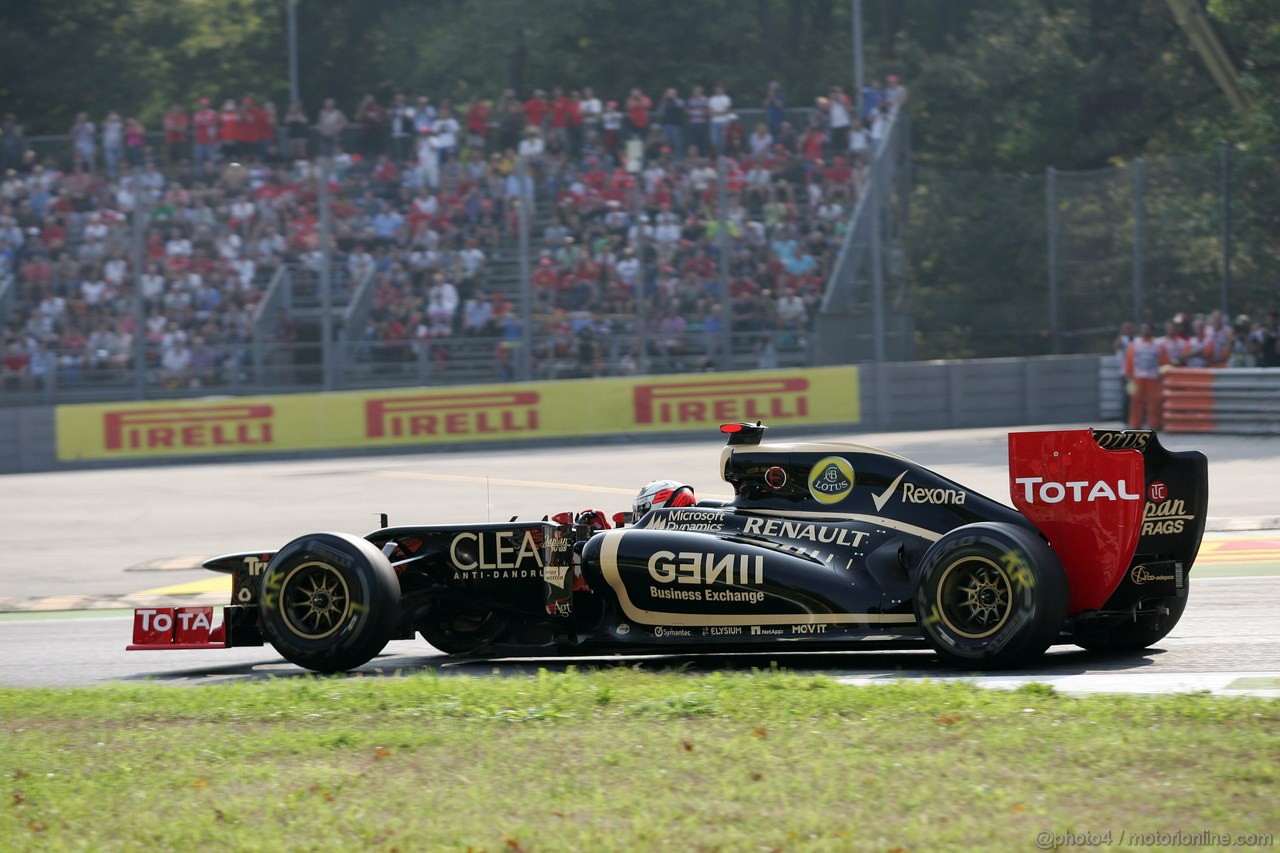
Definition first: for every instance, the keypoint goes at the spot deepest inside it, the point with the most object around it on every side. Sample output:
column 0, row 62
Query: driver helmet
column 662, row 493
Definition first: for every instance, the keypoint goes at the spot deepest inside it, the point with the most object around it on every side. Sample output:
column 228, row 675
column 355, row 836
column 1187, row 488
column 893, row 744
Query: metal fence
column 312, row 329
column 1007, row 264
column 930, row 263
column 865, row 293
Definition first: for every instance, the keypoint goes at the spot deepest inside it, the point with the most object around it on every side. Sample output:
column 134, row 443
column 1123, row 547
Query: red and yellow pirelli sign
column 430, row 416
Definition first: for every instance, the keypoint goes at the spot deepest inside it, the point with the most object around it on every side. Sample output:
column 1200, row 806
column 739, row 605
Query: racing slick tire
column 1132, row 635
column 990, row 596
column 329, row 601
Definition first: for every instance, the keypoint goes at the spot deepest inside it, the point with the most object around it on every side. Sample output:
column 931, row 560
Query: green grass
column 621, row 760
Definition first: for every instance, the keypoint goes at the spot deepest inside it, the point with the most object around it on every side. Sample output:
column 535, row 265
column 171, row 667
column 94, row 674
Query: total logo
column 1039, row 490
column 831, row 479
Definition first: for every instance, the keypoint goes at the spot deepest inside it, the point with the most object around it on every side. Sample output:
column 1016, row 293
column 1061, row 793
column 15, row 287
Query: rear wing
column 1116, row 506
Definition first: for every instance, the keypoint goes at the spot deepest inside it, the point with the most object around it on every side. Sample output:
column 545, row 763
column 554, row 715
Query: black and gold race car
column 823, row 545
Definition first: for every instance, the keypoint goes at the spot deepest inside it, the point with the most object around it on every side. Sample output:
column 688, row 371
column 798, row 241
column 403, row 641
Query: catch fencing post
column 1226, row 229
column 326, row 277
column 1139, row 232
column 1051, row 223
column 726, row 313
column 526, row 294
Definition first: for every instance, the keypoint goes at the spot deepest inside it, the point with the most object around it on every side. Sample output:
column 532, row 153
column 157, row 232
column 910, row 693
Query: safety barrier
column 1243, row 401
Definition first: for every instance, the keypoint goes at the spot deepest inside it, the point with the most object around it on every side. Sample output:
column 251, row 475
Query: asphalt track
column 76, row 546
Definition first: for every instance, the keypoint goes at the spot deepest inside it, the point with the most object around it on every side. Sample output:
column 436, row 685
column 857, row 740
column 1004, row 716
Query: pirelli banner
column 437, row 416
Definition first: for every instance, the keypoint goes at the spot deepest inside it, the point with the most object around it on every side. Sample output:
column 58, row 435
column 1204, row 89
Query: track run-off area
column 79, row 548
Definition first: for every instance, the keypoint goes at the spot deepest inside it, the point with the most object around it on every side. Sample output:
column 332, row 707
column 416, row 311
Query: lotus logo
column 831, row 480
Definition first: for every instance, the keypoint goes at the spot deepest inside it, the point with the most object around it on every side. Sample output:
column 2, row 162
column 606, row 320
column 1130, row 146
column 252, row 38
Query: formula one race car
column 824, row 545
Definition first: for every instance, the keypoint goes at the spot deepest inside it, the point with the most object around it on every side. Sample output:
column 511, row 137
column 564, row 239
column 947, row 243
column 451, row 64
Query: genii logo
column 831, row 479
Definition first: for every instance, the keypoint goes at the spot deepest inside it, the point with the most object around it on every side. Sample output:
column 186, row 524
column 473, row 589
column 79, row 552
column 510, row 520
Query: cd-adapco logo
column 1141, row 574
column 831, row 479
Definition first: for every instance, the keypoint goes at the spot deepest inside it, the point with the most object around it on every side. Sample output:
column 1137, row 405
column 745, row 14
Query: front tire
column 990, row 595
column 329, row 602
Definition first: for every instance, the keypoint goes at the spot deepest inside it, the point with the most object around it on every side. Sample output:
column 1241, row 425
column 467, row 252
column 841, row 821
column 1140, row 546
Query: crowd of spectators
column 1188, row 340
column 626, row 266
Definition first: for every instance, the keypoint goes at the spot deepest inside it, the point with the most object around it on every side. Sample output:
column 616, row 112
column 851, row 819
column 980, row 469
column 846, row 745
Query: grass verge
column 623, row 760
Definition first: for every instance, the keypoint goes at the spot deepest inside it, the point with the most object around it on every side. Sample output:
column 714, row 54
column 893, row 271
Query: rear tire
column 329, row 602
column 990, row 595
column 1133, row 635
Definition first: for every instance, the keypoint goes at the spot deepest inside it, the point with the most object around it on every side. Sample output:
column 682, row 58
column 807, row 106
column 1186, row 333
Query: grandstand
column 178, row 277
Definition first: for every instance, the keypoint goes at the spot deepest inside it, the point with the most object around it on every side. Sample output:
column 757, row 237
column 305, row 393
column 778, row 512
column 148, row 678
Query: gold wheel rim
column 314, row 600
column 974, row 597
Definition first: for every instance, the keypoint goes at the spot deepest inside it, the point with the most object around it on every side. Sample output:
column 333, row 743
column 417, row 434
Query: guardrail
column 1243, row 401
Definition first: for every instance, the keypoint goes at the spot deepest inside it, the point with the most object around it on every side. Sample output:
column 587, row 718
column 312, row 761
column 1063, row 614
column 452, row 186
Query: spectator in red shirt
column 256, row 132
column 477, row 123
column 536, row 109
column 559, row 124
column 135, row 142
column 229, row 129
column 638, row 105
column 575, row 125
column 176, row 138
column 205, row 124
column 14, row 369
column 839, row 178
column 812, row 144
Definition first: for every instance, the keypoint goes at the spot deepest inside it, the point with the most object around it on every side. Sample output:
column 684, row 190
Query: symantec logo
column 722, row 401
column 452, row 415
column 234, row 425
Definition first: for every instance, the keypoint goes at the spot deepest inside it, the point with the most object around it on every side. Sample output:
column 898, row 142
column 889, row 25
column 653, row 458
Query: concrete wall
column 27, row 439
column 980, row 393
column 894, row 396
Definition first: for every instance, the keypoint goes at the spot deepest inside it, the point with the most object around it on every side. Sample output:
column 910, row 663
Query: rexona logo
column 1038, row 490
column 231, row 426
column 913, row 494
column 498, row 413
column 509, row 553
column 831, row 480
column 769, row 400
